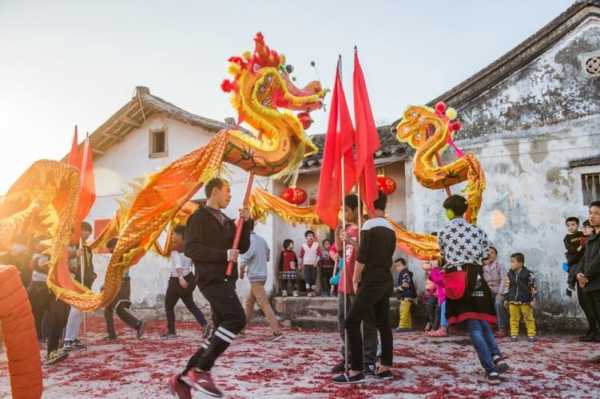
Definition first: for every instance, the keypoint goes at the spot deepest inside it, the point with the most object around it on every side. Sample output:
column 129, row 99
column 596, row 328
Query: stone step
column 322, row 310
column 325, row 323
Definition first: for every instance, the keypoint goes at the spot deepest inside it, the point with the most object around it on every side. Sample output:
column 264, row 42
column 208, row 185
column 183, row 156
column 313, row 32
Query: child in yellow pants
column 405, row 314
column 518, row 312
column 519, row 292
column 406, row 293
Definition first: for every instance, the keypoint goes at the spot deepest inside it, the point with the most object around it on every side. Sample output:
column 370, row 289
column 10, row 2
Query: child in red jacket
column 288, row 262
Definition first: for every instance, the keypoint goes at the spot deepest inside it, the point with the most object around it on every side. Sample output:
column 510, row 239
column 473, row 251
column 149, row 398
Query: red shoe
column 179, row 389
column 203, row 382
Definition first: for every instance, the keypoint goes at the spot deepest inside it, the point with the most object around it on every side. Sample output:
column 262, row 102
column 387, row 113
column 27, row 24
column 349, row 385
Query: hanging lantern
column 294, row 195
column 386, row 184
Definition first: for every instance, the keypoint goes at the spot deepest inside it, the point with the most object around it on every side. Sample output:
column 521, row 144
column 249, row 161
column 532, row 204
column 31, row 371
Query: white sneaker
column 284, row 293
column 295, row 293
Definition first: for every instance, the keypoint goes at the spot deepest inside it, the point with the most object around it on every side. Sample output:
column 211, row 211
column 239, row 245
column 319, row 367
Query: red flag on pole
column 367, row 139
column 339, row 141
column 87, row 194
column 74, row 158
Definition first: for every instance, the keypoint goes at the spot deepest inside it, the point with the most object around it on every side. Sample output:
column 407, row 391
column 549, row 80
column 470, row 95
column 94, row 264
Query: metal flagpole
column 345, row 270
column 82, row 263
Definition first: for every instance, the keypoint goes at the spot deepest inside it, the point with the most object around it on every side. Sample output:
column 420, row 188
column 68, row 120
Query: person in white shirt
column 181, row 285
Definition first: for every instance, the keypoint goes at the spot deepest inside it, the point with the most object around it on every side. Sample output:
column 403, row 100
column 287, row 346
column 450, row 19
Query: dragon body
column 263, row 96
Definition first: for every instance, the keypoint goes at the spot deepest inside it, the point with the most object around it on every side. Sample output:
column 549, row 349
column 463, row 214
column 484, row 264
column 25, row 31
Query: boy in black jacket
column 573, row 237
column 209, row 238
column 406, row 293
column 520, row 289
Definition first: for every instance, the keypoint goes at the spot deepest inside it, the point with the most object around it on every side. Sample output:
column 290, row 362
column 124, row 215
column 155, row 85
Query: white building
column 143, row 136
column 533, row 119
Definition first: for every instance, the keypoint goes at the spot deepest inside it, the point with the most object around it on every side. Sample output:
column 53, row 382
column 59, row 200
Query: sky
column 64, row 63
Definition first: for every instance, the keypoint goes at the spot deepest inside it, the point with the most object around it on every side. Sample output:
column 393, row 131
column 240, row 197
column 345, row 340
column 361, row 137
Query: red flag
column 339, row 141
column 367, row 139
column 87, row 180
column 74, row 158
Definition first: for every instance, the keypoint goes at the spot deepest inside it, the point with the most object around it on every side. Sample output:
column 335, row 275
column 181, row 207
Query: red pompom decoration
column 305, row 119
column 294, row 195
column 386, row 184
column 455, row 126
column 441, row 107
column 227, row 86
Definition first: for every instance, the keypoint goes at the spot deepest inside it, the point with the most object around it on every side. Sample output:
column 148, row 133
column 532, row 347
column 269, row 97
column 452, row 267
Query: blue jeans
column 501, row 314
column 484, row 343
column 443, row 319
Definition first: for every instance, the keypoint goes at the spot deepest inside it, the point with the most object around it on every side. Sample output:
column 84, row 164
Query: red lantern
column 294, row 195
column 386, row 184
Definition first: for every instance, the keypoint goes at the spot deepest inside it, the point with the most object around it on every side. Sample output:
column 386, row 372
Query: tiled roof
column 391, row 150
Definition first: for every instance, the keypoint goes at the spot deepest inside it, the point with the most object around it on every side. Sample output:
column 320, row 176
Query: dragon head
column 419, row 123
column 262, row 91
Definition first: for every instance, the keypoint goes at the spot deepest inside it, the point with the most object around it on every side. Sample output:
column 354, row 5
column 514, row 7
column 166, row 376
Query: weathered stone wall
column 551, row 89
column 525, row 131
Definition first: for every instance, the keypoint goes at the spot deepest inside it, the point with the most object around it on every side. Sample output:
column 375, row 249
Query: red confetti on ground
column 298, row 367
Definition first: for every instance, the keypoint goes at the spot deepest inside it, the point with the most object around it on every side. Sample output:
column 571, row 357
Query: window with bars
column 590, row 184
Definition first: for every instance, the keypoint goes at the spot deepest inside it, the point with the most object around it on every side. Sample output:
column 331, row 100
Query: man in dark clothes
column 81, row 264
column 574, row 263
column 588, row 276
column 209, row 239
column 44, row 304
column 373, row 284
column 121, row 304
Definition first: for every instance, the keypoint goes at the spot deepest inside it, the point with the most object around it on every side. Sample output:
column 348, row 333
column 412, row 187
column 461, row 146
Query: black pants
column 372, row 303
column 174, row 293
column 326, row 273
column 431, row 310
column 56, row 312
column 587, row 305
column 121, row 303
column 229, row 319
column 594, row 300
column 287, row 285
column 310, row 276
column 40, row 298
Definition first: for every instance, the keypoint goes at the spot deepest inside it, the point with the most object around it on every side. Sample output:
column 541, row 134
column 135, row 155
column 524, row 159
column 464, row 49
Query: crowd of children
column 308, row 272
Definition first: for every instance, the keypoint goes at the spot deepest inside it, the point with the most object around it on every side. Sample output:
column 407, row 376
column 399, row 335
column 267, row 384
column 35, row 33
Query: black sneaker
column 348, row 379
column 369, row 370
column 73, row 346
column 501, row 365
column 383, row 375
column 493, row 378
column 531, row 339
column 338, row 368
column 514, row 338
column 110, row 338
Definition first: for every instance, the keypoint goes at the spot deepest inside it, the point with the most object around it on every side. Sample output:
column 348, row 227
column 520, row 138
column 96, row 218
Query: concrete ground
column 298, row 367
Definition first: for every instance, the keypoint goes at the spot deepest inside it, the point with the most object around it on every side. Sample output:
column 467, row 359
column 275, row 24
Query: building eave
column 142, row 106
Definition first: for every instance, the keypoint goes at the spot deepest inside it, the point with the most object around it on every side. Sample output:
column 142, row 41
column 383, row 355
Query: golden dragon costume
column 260, row 91
column 428, row 131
